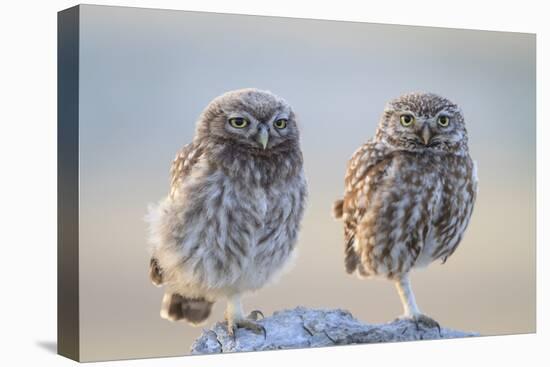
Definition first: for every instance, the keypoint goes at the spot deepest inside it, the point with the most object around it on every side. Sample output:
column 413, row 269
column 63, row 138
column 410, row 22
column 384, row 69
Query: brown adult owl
column 409, row 193
column 231, row 220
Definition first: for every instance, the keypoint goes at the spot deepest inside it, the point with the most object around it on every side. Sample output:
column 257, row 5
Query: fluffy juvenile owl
column 409, row 193
column 231, row 219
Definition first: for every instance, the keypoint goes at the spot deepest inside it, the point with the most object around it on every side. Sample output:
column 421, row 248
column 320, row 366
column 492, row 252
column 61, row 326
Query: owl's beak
column 426, row 134
column 263, row 137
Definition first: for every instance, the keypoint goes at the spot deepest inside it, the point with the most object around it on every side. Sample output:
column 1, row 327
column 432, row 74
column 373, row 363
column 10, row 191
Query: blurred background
column 145, row 76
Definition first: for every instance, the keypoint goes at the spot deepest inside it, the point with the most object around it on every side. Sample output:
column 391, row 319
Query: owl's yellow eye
column 238, row 122
column 407, row 120
column 280, row 123
column 443, row 121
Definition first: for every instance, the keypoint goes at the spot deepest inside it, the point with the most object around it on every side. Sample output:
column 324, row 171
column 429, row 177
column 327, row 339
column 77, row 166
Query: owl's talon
column 232, row 331
column 425, row 321
column 246, row 324
column 253, row 315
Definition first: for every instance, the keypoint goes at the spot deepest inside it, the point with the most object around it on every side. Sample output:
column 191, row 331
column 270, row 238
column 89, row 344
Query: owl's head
column 250, row 119
column 423, row 121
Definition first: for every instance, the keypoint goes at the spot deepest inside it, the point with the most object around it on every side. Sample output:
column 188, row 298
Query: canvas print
column 232, row 183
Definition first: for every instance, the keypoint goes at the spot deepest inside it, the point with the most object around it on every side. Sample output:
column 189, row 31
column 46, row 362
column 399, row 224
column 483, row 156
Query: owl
column 409, row 194
column 230, row 222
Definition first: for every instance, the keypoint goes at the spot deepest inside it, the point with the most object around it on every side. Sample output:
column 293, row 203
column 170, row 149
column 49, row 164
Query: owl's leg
column 411, row 311
column 403, row 285
column 235, row 317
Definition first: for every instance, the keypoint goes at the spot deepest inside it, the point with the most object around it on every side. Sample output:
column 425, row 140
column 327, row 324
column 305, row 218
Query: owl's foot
column 247, row 324
column 421, row 319
column 250, row 323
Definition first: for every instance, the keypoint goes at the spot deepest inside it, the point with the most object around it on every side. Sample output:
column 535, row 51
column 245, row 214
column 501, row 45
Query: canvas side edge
column 68, row 326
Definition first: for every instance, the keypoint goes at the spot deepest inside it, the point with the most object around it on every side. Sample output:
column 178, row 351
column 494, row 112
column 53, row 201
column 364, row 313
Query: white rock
column 303, row 327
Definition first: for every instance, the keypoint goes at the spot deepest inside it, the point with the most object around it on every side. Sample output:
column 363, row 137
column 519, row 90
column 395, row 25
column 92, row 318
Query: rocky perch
column 303, row 327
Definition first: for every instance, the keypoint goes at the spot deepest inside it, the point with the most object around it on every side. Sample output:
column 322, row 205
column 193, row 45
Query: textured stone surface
column 302, row 327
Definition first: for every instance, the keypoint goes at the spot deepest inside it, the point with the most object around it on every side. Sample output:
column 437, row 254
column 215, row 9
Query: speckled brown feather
column 406, row 205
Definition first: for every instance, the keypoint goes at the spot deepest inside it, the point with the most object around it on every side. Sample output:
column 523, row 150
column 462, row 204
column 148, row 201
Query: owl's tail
column 176, row 307
column 338, row 209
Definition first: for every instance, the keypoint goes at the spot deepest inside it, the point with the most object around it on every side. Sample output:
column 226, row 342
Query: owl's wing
column 182, row 164
column 181, row 167
column 364, row 170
